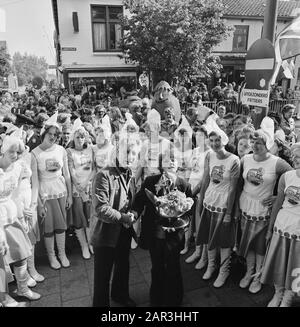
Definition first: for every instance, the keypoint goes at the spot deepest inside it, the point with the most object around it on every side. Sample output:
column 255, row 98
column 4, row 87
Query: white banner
column 259, row 98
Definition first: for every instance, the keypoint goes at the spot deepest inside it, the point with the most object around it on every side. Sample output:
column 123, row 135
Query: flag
column 287, row 45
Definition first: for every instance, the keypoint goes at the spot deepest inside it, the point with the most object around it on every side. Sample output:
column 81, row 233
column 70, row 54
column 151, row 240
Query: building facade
column 86, row 38
column 246, row 18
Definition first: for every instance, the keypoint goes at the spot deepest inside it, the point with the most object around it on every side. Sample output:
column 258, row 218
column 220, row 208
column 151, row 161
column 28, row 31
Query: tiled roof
column 256, row 8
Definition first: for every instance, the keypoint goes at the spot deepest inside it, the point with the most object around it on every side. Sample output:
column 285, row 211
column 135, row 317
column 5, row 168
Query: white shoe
column 30, row 281
column 86, row 253
column 64, row 261
column 221, row 279
column 201, row 264
column 195, row 256
column 38, row 277
column 80, row 233
column 255, row 286
column 246, row 280
column 30, row 295
column 134, row 244
column 276, row 300
column 61, row 242
column 184, row 251
column 49, row 243
column 287, row 299
column 209, row 272
column 9, row 302
column 54, row 263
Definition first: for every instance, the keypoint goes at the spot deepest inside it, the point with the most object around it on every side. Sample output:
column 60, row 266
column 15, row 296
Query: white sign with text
column 259, row 98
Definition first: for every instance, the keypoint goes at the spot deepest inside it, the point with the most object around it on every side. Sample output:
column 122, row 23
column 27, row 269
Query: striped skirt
column 282, row 263
column 253, row 235
column 213, row 232
column 56, row 216
column 79, row 214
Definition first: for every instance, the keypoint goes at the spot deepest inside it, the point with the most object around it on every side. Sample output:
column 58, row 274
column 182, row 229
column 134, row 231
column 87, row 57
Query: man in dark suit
column 111, row 225
column 164, row 246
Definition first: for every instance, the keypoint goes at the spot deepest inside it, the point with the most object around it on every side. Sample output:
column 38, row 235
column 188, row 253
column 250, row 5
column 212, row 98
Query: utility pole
column 270, row 20
column 269, row 28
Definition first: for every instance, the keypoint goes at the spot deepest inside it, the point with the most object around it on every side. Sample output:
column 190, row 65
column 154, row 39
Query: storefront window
column 105, row 84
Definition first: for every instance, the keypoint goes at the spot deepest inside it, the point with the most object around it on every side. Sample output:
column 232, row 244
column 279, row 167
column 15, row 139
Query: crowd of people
column 87, row 162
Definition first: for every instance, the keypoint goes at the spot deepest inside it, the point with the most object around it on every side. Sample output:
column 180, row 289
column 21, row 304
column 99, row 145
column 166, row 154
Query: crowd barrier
column 237, row 108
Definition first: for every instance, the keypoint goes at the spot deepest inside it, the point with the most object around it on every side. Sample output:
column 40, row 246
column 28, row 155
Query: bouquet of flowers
column 175, row 204
column 171, row 207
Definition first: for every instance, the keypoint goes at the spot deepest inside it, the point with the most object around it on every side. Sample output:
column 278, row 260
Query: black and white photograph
column 149, row 156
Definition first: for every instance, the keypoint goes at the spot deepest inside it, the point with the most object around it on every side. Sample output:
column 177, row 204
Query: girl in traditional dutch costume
column 217, row 194
column 80, row 161
column 259, row 172
column 195, row 180
column 282, row 262
column 51, row 173
column 25, row 199
column 19, row 246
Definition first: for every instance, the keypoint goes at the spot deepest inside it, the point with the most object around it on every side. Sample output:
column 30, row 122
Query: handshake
column 128, row 219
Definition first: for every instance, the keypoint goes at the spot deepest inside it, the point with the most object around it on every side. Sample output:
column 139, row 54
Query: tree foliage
column 174, row 37
column 37, row 82
column 28, row 66
column 5, row 67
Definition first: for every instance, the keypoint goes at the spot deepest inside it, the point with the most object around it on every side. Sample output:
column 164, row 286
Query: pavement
column 73, row 286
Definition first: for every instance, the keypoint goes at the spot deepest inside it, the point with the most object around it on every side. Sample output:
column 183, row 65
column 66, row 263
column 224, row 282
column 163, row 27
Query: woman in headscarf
column 81, row 167
column 282, row 262
column 18, row 247
column 51, row 173
column 259, row 173
column 216, row 228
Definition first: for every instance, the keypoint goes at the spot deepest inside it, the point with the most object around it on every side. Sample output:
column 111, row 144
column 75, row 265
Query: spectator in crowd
column 221, row 111
column 288, row 123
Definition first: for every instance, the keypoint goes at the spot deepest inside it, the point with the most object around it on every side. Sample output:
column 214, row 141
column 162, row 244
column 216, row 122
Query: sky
column 27, row 26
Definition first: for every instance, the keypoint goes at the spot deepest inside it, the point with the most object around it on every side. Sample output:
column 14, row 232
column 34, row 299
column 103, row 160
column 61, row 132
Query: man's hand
column 127, row 219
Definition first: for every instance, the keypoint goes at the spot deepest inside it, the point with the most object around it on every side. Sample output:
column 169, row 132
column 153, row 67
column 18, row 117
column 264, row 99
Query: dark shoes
column 129, row 303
